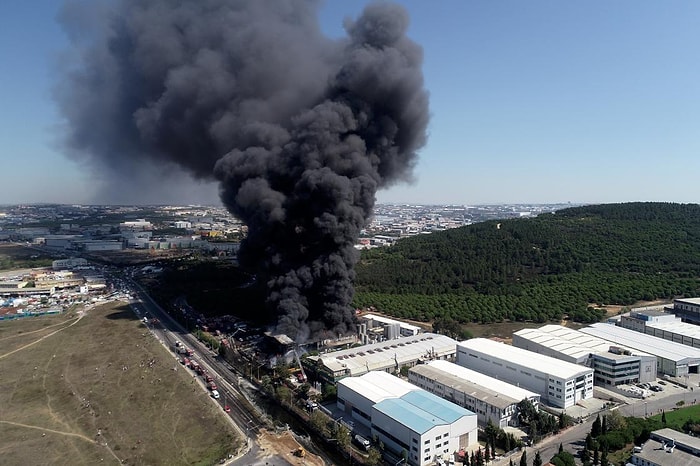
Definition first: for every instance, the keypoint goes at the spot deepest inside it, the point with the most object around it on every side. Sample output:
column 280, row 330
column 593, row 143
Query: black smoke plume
column 299, row 130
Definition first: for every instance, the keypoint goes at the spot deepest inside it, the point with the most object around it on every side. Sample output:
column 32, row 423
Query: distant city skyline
column 531, row 103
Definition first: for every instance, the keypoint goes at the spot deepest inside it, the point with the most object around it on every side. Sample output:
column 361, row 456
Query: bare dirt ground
column 97, row 388
column 285, row 445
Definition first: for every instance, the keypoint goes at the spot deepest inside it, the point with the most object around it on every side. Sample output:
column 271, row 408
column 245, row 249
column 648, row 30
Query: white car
column 215, row 394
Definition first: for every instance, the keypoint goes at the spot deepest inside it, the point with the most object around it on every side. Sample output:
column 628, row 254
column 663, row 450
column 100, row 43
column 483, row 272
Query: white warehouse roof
column 681, row 328
column 379, row 356
column 377, row 386
column 483, row 380
column 546, row 364
column 570, row 342
column 657, row 346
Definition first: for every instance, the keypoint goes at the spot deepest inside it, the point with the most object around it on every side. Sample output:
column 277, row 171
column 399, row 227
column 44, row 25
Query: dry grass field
column 96, row 387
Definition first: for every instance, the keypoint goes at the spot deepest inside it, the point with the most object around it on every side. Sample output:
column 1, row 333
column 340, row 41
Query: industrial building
column 387, row 356
column 674, row 359
column 561, row 384
column 667, row 446
column 374, row 328
column 662, row 325
column 614, row 364
column 406, row 419
column 69, row 263
column 687, row 309
column 491, row 399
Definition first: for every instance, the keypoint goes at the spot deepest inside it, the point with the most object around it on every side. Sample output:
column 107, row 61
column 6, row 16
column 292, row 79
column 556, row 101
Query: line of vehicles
column 188, row 361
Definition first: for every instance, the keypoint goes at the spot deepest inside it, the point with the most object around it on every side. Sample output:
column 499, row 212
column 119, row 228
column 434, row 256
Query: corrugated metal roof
column 379, row 356
column 420, row 411
column 378, row 385
column 438, row 407
column 579, row 340
column 657, row 346
column 475, row 383
column 546, row 364
column 405, row 414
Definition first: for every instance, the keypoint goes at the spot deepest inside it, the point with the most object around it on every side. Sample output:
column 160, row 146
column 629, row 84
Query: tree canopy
column 553, row 266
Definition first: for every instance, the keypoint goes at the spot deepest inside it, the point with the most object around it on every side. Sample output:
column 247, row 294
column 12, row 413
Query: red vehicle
column 227, row 408
column 194, row 365
column 212, row 385
column 208, row 378
column 199, row 369
column 185, row 361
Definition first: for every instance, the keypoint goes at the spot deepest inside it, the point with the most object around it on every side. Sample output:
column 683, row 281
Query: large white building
column 662, row 325
column 561, row 384
column 673, row 358
column 614, row 365
column 491, row 399
column 387, row 356
column 406, row 419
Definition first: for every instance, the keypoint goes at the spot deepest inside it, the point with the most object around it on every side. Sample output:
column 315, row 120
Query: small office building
column 617, row 364
column 560, row 384
column 674, row 359
column 491, row 399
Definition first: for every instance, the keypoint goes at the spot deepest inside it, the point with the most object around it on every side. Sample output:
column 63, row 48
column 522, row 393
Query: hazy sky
column 532, row 102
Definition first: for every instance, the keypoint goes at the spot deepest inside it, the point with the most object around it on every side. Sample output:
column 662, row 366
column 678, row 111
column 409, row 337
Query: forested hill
column 538, row 268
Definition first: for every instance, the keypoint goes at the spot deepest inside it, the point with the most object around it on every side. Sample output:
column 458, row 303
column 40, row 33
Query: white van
column 215, row 394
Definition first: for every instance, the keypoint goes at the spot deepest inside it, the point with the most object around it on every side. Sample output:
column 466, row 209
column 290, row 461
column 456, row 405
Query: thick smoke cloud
column 299, row 130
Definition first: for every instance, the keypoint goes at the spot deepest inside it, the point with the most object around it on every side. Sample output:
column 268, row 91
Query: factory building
column 667, row 446
column 560, row 384
column 357, row 395
column 662, row 325
column 387, row 356
column 687, row 309
column 73, row 262
column 491, row 399
column 373, row 328
column 614, row 364
column 674, row 359
column 406, row 419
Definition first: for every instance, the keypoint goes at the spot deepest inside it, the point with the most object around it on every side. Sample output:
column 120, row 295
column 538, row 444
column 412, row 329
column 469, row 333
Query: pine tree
column 537, row 461
column 487, row 454
column 562, row 420
column 589, row 441
column 585, row 455
column 595, row 428
column 523, row 458
column 663, row 417
column 604, row 425
column 561, row 447
column 493, row 448
column 604, row 458
column 596, row 457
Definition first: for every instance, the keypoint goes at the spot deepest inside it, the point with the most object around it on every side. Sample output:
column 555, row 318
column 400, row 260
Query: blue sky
column 531, row 102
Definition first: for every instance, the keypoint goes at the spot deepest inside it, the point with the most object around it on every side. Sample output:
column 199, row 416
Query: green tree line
column 551, row 266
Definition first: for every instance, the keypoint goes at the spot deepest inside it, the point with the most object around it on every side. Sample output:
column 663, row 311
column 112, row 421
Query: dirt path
column 77, row 319
column 33, row 331
column 68, row 434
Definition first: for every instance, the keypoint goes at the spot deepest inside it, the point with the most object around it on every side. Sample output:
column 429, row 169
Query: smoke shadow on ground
column 122, row 313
